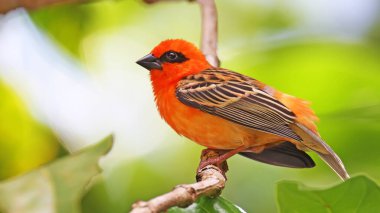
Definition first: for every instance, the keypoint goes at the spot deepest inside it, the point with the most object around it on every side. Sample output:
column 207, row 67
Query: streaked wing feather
column 236, row 98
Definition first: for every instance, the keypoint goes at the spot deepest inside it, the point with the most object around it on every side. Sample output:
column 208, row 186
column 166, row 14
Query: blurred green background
column 325, row 52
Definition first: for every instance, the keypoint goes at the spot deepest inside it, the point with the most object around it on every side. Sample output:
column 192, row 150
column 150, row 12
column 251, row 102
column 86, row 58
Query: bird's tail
column 315, row 143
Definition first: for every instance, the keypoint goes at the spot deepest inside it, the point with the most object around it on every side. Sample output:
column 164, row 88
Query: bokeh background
column 68, row 78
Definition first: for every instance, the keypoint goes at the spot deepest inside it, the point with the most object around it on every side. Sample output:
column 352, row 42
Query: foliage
column 55, row 188
column 24, row 142
column 358, row 194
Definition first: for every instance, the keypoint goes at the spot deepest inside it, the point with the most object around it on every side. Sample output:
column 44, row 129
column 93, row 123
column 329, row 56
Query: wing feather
column 236, row 98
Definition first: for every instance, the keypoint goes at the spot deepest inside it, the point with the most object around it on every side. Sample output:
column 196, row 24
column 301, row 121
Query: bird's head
column 174, row 59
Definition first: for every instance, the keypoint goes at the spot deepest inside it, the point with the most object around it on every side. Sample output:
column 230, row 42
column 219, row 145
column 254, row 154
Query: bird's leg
column 217, row 157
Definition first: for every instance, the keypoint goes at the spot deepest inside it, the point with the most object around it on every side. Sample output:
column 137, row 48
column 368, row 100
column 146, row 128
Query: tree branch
column 209, row 31
column 211, row 182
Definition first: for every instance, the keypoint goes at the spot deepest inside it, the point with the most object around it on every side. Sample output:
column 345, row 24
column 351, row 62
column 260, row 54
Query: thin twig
column 211, row 183
column 209, row 31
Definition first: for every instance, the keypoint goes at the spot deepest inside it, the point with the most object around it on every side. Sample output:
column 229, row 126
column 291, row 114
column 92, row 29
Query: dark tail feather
column 284, row 154
column 315, row 143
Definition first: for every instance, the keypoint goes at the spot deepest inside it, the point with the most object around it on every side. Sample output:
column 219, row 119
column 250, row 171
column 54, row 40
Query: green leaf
column 55, row 188
column 358, row 194
column 25, row 143
column 209, row 205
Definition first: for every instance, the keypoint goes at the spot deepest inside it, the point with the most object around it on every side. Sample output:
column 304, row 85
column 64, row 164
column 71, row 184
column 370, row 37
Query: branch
column 209, row 31
column 7, row 5
column 211, row 182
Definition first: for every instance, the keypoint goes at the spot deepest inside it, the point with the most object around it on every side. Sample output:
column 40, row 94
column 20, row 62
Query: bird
column 224, row 110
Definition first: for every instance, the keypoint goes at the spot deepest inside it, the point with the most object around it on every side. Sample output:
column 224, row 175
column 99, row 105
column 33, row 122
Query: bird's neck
column 163, row 81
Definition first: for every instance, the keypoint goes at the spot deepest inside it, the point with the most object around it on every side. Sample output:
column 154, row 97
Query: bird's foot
column 213, row 157
column 217, row 158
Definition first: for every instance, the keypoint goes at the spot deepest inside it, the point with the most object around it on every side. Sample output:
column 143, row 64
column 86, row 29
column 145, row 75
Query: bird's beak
column 150, row 62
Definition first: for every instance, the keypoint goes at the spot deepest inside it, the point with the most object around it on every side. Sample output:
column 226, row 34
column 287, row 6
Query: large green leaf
column 209, row 205
column 25, row 143
column 358, row 194
column 54, row 188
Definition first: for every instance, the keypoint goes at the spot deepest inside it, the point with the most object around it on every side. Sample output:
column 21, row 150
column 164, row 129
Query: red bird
column 221, row 109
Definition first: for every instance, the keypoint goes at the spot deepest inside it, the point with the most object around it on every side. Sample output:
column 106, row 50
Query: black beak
column 150, row 62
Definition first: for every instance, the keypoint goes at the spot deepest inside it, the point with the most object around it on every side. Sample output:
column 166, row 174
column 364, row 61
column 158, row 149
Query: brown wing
column 236, row 98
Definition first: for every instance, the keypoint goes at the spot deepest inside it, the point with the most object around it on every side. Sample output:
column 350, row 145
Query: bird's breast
column 203, row 128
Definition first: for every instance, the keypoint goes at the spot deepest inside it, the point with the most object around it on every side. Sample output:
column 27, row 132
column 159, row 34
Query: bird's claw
column 212, row 157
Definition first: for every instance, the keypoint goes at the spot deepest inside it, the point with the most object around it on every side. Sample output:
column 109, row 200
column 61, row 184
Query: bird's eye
column 173, row 57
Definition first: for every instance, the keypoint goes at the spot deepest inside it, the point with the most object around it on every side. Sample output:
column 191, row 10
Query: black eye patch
column 173, row 57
